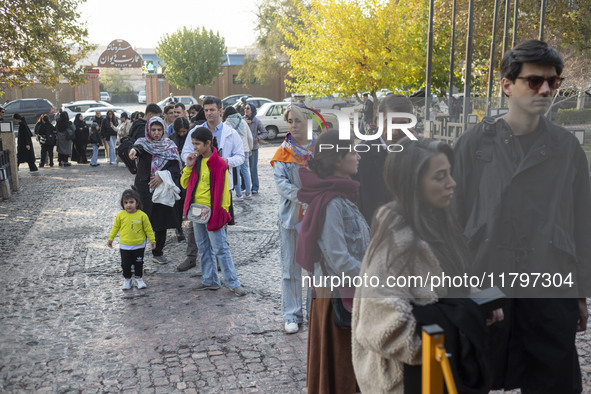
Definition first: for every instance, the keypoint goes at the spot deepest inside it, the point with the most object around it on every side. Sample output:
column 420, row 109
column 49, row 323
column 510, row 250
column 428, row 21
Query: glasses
column 535, row 82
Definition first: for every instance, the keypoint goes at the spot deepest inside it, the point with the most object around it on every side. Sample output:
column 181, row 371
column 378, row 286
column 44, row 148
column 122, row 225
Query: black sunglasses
column 535, row 81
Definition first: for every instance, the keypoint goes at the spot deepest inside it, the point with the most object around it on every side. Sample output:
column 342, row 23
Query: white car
column 75, row 107
column 105, row 96
column 118, row 110
column 271, row 116
column 141, row 97
column 187, row 100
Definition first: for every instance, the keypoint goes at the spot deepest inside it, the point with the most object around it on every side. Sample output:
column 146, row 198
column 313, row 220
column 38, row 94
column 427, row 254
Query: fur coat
column 384, row 335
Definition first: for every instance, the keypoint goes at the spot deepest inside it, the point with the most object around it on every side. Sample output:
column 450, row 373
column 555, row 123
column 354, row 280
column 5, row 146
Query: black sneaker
column 201, row 286
column 160, row 259
column 186, row 265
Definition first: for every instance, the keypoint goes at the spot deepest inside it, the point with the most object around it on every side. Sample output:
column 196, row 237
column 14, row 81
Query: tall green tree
column 270, row 39
column 192, row 57
column 42, row 40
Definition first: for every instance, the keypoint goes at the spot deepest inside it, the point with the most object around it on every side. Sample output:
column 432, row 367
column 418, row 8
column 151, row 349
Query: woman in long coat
column 65, row 135
column 80, row 140
column 25, row 152
column 156, row 153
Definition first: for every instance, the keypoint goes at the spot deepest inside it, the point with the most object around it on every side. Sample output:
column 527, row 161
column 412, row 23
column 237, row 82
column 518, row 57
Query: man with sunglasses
column 523, row 200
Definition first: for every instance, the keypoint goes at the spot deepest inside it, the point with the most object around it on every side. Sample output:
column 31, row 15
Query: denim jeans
column 253, row 164
column 112, row 153
column 213, row 244
column 243, row 173
column 94, row 158
column 291, row 277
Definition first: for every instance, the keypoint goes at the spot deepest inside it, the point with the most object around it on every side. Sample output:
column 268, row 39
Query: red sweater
column 217, row 169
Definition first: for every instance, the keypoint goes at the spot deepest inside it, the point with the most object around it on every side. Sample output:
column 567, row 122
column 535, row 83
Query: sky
column 143, row 23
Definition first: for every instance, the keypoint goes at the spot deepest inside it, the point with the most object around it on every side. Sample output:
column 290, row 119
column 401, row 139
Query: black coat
column 48, row 131
column 82, row 133
column 465, row 332
column 106, row 130
column 372, row 192
column 24, row 155
column 161, row 216
column 138, row 129
column 528, row 212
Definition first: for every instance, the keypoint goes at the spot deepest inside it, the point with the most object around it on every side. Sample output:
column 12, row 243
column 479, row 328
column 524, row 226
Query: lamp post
column 542, row 19
column 491, row 61
column 429, row 61
column 468, row 78
column 451, row 57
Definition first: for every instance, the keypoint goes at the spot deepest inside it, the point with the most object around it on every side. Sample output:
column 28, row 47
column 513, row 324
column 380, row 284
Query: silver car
column 82, row 106
column 271, row 116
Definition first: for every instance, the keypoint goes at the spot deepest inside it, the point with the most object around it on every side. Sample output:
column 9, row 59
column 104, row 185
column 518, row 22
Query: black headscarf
column 63, row 122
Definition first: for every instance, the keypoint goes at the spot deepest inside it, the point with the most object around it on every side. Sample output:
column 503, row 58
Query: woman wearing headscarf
column 158, row 158
column 48, row 139
column 80, row 140
column 258, row 133
column 25, row 152
column 65, row 135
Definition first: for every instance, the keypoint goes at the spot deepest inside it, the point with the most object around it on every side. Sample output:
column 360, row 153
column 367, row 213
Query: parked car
column 231, row 100
column 75, row 107
column 187, row 100
column 105, row 96
column 257, row 101
column 89, row 118
column 331, row 101
column 271, row 115
column 31, row 109
column 141, row 97
column 118, row 110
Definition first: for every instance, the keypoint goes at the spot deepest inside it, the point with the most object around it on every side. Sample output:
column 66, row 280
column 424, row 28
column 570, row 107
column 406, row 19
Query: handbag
column 340, row 315
column 199, row 214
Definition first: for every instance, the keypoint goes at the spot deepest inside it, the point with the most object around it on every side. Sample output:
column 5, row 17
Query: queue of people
column 512, row 195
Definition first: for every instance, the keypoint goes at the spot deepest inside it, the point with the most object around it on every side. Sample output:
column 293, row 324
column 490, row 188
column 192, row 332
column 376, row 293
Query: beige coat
column 384, row 330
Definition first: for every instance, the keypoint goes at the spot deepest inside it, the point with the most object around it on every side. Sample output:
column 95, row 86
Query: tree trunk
column 193, row 93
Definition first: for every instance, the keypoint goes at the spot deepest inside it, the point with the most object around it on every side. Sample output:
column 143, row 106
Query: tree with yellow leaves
column 349, row 47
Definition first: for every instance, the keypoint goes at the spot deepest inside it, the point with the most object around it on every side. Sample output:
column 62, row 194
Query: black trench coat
column 161, row 216
column 528, row 213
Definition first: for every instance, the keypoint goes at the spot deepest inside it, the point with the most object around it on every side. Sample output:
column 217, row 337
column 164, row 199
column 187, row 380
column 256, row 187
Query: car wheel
column 272, row 132
column 336, row 106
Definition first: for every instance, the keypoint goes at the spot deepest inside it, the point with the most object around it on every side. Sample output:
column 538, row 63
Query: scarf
column 253, row 112
column 235, row 121
column 317, row 193
column 63, row 122
column 162, row 151
column 291, row 152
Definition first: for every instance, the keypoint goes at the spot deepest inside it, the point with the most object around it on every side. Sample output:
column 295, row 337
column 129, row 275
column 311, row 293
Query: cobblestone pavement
column 65, row 325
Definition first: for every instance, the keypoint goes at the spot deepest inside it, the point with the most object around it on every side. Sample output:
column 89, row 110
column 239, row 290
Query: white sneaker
column 126, row 284
column 140, row 284
column 291, row 327
column 238, row 198
column 248, row 196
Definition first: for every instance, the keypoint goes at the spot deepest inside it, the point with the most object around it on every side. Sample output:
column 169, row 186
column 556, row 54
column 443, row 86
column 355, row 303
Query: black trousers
column 62, row 158
column 46, row 154
column 133, row 257
column 160, row 241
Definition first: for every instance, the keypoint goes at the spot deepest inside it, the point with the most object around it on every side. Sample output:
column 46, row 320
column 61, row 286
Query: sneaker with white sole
column 238, row 198
column 248, row 196
column 159, row 259
column 140, row 284
column 291, row 327
column 126, row 284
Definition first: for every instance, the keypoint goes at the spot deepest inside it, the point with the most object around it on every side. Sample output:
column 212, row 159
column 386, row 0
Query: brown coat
column 384, row 335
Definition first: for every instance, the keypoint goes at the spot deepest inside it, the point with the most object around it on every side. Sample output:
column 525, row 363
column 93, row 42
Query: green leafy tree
column 44, row 41
column 270, row 39
column 192, row 57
